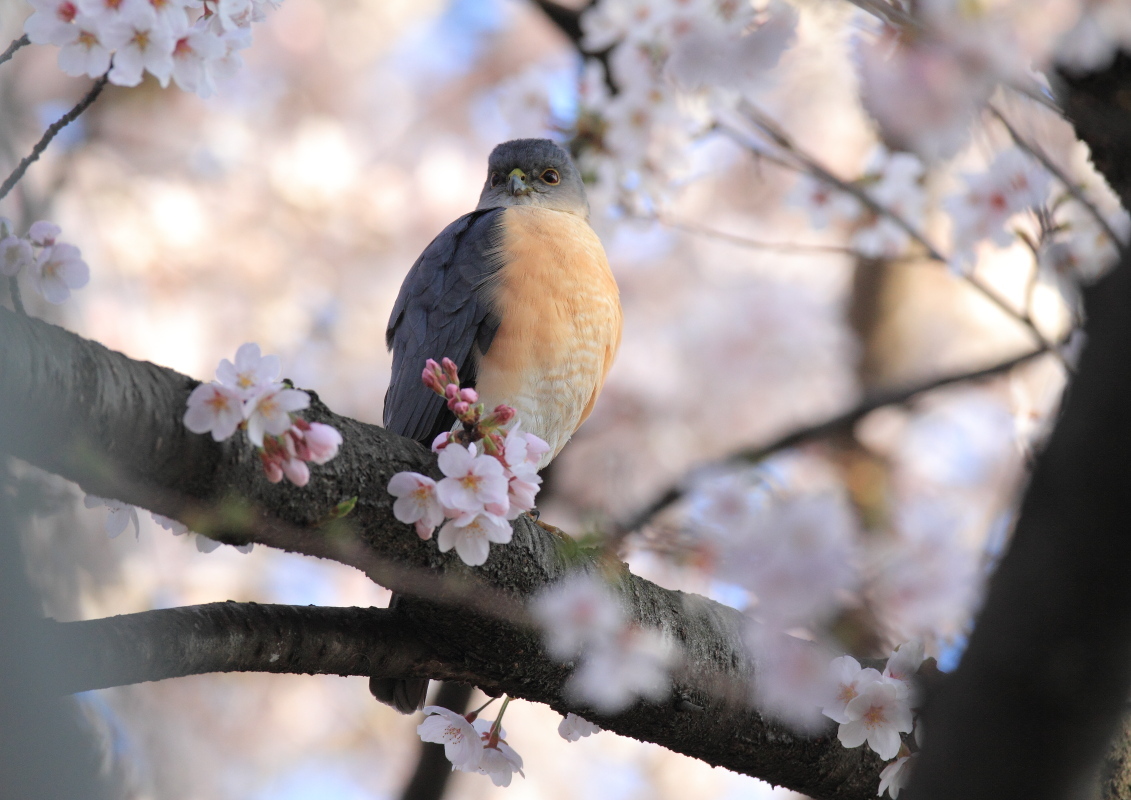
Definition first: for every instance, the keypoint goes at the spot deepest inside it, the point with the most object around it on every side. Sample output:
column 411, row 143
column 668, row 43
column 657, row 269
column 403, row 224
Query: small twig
column 838, row 424
column 14, row 291
column 50, row 134
column 1073, row 189
column 13, row 47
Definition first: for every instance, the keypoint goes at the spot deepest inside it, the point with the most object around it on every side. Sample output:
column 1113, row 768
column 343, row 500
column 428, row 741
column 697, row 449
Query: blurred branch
column 50, row 134
column 14, row 293
column 1071, row 186
column 841, row 423
column 810, row 165
column 13, row 47
column 113, row 425
column 567, row 20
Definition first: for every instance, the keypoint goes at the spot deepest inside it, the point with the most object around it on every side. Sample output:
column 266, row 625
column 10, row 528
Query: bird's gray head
column 533, row 172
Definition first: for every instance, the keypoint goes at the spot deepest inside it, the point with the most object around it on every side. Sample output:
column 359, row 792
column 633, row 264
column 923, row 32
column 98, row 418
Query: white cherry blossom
column 89, row 53
column 270, row 412
column 148, row 47
column 470, row 535
column 214, row 408
column 51, row 22
column 416, row 502
column 849, row 678
column 572, row 727
column 194, row 52
column 462, row 744
column 251, row 373
column 905, row 661
column 57, row 271
column 498, row 760
column 474, row 483
column 895, row 776
column 576, row 611
column 878, row 715
column 15, row 255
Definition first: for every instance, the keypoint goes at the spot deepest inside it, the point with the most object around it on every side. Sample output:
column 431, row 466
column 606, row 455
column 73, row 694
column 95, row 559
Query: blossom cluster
column 54, row 268
column 877, row 707
column 192, row 42
column 248, row 394
column 490, row 474
column 472, row 744
column 617, row 660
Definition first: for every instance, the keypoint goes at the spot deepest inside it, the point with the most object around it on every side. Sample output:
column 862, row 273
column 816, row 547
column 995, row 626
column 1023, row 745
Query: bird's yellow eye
column 551, row 177
column 496, row 179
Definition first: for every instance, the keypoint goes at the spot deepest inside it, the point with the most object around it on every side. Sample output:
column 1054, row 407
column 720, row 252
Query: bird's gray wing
column 439, row 313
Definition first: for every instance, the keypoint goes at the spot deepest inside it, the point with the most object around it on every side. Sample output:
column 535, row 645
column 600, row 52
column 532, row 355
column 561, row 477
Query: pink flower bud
column 440, row 442
column 503, row 414
column 296, row 471
column 273, row 469
column 469, row 395
column 451, row 391
column 322, row 442
column 459, row 407
column 451, row 370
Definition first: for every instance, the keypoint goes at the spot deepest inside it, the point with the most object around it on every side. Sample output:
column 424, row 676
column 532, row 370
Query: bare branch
column 50, row 134
column 841, row 423
column 13, row 47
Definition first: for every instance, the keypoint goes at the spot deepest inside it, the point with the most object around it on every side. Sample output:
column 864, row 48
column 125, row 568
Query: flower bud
column 469, row 395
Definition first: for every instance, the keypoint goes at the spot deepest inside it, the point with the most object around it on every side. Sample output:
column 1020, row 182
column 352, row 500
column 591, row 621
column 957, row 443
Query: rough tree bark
column 113, row 425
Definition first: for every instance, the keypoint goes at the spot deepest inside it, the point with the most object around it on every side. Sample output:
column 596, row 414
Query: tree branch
column 841, row 423
column 113, row 425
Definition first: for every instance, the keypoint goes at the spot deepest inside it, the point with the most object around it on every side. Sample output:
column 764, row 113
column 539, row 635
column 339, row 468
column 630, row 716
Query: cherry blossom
column 15, row 255
column 614, row 672
column 470, row 535
column 1104, row 26
column 824, row 203
column 416, row 502
column 572, row 727
column 462, row 743
column 319, row 442
column 896, row 186
column 89, row 52
column 894, row 777
column 148, row 47
column 251, row 373
column 498, row 760
column 905, row 661
column 169, row 524
column 792, row 678
column 270, row 412
column 214, row 408
column 194, row 52
column 577, row 610
column 43, row 233
column 1012, row 183
column 121, row 515
column 57, row 271
column 474, row 484
column 877, row 715
column 848, row 678
column 51, row 22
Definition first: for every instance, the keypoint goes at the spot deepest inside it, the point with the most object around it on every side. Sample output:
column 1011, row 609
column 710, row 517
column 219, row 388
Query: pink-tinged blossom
column 708, row 51
column 193, row 54
column 792, row 678
column 470, row 535
column 15, row 255
column 462, row 743
column 575, row 612
column 848, row 680
column 905, row 661
column 51, row 22
column 572, row 727
column 148, row 48
column 895, row 776
column 108, row 12
column 57, row 271
column 322, row 442
column 119, row 517
column 43, row 233
column 498, row 760
column 89, row 53
column 252, row 372
column 416, row 502
column 215, row 409
column 296, row 471
column 270, row 412
column 1012, row 183
column 606, row 23
column 923, row 96
column 878, row 715
column 474, row 483
column 823, row 203
column 613, row 673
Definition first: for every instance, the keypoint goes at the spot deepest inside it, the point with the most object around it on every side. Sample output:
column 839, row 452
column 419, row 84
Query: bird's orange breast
column 559, row 323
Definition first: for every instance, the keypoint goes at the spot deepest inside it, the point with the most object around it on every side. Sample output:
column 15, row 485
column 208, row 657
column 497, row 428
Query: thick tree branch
column 113, row 425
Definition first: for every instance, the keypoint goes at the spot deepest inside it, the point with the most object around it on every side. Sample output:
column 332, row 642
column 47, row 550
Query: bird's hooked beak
column 516, row 183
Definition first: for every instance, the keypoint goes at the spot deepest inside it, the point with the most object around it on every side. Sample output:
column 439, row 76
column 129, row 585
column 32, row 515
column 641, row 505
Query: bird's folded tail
column 406, row 695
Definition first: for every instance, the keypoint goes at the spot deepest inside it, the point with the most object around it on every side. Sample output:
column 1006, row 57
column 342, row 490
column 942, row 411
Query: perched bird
column 519, row 294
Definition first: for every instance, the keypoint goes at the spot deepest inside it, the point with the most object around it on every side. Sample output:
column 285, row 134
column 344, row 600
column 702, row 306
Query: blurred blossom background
column 287, row 208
